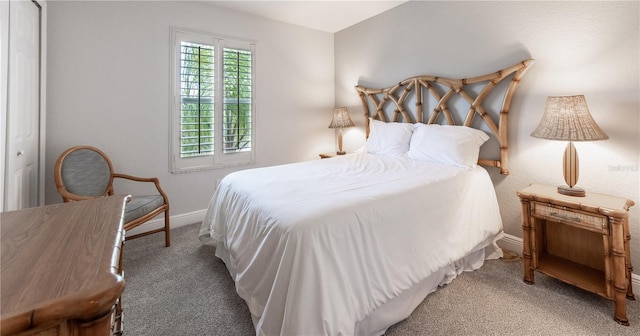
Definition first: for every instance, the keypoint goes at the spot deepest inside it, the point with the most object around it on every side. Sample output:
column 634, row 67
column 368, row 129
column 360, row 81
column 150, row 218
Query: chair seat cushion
column 141, row 205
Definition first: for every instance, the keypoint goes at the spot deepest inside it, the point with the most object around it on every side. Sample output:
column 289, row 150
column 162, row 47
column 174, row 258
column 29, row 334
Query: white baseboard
column 514, row 244
column 511, row 243
column 176, row 221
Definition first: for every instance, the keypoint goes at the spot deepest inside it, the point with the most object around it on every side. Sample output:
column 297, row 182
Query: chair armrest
column 135, row 178
column 144, row 179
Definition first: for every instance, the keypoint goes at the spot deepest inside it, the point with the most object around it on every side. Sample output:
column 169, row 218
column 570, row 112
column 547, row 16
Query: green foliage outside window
column 197, row 103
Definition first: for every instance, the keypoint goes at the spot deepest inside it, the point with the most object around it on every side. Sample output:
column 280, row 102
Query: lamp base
column 341, row 153
column 571, row 191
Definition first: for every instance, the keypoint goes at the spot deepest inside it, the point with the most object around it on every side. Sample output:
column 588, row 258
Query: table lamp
column 341, row 120
column 567, row 118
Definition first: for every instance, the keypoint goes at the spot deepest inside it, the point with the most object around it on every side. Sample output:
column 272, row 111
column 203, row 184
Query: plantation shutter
column 237, row 108
column 197, row 87
column 212, row 107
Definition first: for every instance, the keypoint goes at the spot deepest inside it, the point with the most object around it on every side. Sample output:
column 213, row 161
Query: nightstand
column 328, row 155
column 583, row 241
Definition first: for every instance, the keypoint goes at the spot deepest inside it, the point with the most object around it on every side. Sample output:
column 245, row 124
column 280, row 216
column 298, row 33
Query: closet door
column 22, row 167
column 4, row 70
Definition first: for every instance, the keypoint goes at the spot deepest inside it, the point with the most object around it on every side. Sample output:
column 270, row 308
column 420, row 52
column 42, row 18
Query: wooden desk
column 583, row 241
column 61, row 268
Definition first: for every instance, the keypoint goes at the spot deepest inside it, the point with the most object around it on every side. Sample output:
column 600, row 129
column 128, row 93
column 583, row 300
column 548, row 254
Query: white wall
column 590, row 48
column 108, row 86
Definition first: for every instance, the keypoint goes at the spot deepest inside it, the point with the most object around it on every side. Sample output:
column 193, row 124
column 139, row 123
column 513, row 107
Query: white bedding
column 316, row 247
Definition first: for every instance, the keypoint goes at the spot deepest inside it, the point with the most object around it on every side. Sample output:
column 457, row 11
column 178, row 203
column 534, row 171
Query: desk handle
column 557, row 215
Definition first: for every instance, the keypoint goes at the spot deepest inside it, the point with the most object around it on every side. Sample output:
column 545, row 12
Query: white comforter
column 315, row 247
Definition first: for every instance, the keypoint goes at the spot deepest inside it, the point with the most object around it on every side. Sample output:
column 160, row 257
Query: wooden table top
column 592, row 202
column 60, row 262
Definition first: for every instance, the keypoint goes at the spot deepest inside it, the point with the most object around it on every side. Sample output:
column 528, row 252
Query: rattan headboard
column 406, row 101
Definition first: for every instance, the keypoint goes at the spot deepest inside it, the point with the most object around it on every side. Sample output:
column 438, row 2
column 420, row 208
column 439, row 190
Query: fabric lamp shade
column 341, row 120
column 568, row 118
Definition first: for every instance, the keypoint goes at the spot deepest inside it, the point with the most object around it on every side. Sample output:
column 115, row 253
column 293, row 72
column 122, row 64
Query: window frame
column 219, row 159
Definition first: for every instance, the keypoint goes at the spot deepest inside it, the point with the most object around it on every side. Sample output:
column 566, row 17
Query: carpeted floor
column 185, row 290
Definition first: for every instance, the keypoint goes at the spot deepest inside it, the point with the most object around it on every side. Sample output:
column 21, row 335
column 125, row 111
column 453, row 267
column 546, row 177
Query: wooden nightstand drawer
column 570, row 217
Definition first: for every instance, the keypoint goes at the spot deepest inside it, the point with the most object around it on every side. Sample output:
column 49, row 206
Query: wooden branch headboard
column 446, row 96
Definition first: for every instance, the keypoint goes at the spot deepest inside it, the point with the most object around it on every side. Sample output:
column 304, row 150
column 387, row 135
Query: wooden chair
column 85, row 172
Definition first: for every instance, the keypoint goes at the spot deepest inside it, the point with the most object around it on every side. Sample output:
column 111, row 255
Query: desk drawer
column 596, row 223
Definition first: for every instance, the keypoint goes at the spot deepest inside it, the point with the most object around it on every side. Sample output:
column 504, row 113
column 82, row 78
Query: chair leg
column 167, row 231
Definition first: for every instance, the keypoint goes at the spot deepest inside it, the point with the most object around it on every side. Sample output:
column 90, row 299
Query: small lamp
column 567, row 118
column 341, row 120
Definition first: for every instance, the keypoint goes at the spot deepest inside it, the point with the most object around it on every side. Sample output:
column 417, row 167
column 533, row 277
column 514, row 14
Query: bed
column 351, row 245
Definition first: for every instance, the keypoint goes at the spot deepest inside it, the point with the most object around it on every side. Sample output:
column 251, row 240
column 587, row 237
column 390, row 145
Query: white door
column 4, row 68
column 23, row 113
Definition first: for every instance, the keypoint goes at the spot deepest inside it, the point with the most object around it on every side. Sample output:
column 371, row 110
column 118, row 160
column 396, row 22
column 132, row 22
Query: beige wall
column 108, row 86
column 590, row 48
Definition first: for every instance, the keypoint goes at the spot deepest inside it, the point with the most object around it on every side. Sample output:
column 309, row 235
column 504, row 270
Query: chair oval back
column 85, row 171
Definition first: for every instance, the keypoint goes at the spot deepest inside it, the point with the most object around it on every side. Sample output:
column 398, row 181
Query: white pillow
column 388, row 138
column 455, row 145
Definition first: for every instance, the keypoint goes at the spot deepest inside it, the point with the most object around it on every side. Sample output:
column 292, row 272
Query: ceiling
column 325, row 15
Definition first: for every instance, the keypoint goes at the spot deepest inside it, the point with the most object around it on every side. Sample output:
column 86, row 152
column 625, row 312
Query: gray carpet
column 185, row 290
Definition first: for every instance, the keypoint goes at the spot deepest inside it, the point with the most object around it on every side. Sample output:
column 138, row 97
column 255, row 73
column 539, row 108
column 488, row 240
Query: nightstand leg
column 526, row 243
column 619, row 270
column 621, row 311
column 629, row 266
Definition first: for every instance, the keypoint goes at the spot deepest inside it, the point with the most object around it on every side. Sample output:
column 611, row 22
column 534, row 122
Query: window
column 196, row 99
column 212, row 110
